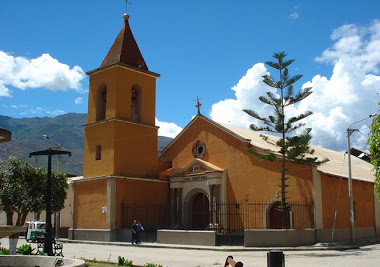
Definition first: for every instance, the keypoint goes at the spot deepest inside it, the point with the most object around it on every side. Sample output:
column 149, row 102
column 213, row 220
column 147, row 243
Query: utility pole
column 350, row 197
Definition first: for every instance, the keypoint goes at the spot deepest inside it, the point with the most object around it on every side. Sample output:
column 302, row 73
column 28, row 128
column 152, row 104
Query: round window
column 199, row 149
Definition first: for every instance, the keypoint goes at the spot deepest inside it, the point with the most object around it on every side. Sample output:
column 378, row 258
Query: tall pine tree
column 294, row 146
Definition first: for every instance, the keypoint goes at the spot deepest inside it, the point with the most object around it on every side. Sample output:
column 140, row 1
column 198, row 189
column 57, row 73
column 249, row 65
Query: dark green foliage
column 120, row 261
column 25, row 249
column 4, row 251
column 294, row 145
column 124, row 262
column 374, row 149
column 23, row 189
column 270, row 156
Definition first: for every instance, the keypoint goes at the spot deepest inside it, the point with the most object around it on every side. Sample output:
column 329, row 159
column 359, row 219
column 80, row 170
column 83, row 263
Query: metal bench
column 57, row 248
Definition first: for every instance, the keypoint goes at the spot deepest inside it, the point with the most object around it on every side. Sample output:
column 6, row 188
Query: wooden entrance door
column 276, row 217
column 200, row 211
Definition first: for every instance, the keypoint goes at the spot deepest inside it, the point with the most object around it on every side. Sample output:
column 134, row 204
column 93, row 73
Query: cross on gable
column 198, row 105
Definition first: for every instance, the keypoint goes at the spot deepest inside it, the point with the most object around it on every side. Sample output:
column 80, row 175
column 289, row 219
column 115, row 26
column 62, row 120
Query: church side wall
column 335, row 200
column 90, row 198
column 363, row 203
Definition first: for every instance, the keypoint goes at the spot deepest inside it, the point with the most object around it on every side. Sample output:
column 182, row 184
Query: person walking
column 140, row 228
column 134, row 232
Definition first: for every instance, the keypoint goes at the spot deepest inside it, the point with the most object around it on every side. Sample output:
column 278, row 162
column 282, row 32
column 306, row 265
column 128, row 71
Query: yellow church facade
column 205, row 178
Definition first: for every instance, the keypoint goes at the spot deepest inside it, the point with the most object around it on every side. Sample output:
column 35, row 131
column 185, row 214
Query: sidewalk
column 217, row 248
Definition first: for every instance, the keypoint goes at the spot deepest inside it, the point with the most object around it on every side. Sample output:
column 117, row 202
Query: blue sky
column 211, row 49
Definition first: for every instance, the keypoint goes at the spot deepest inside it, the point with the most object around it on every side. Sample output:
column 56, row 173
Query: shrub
column 121, row 261
column 25, row 249
column 4, row 251
column 124, row 262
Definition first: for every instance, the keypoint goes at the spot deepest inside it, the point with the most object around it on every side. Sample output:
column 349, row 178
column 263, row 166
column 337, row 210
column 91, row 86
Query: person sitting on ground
column 230, row 261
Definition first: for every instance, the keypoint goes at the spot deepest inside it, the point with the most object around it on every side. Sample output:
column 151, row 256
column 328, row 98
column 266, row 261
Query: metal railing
column 225, row 217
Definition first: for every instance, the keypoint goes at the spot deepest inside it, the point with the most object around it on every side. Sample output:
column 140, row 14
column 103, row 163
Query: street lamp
column 57, row 215
column 350, row 199
column 48, row 236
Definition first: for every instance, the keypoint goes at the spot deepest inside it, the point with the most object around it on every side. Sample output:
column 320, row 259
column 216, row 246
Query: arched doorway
column 275, row 217
column 200, row 211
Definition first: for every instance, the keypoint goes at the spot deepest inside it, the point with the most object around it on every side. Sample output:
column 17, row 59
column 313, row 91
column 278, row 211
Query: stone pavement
column 200, row 256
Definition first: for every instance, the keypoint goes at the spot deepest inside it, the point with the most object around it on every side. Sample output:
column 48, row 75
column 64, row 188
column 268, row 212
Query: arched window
column 136, row 104
column 101, row 103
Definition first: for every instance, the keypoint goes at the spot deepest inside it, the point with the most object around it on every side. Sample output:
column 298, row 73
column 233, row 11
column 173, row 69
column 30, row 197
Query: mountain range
column 66, row 130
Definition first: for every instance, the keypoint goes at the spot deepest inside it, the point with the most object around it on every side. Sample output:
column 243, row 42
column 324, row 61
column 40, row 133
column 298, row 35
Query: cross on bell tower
column 126, row 6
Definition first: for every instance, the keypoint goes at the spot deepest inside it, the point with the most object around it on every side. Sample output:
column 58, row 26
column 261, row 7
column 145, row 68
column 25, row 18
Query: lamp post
column 57, row 215
column 350, row 198
column 48, row 236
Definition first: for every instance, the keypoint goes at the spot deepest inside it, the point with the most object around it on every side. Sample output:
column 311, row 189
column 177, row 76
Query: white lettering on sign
column 196, row 178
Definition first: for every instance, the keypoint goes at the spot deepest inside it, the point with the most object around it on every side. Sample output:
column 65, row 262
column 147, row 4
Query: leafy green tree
column 374, row 149
column 23, row 190
column 294, row 145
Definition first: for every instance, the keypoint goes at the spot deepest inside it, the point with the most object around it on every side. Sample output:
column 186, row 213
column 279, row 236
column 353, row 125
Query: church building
column 205, row 179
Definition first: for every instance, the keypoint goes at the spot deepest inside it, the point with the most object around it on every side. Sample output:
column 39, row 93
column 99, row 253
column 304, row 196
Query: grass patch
column 94, row 263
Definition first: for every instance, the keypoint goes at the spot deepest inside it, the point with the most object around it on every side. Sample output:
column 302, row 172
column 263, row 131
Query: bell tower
column 120, row 134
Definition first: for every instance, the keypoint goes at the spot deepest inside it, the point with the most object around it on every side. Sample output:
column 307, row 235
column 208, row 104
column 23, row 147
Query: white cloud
column 247, row 92
column 38, row 111
column 4, row 91
column 294, row 16
column 168, row 129
column 78, row 100
column 40, row 72
column 346, row 96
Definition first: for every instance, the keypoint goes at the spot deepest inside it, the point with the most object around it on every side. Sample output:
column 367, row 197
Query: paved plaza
column 192, row 256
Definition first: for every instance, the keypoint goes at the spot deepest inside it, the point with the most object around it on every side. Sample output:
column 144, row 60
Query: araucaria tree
column 374, row 150
column 294, row 144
